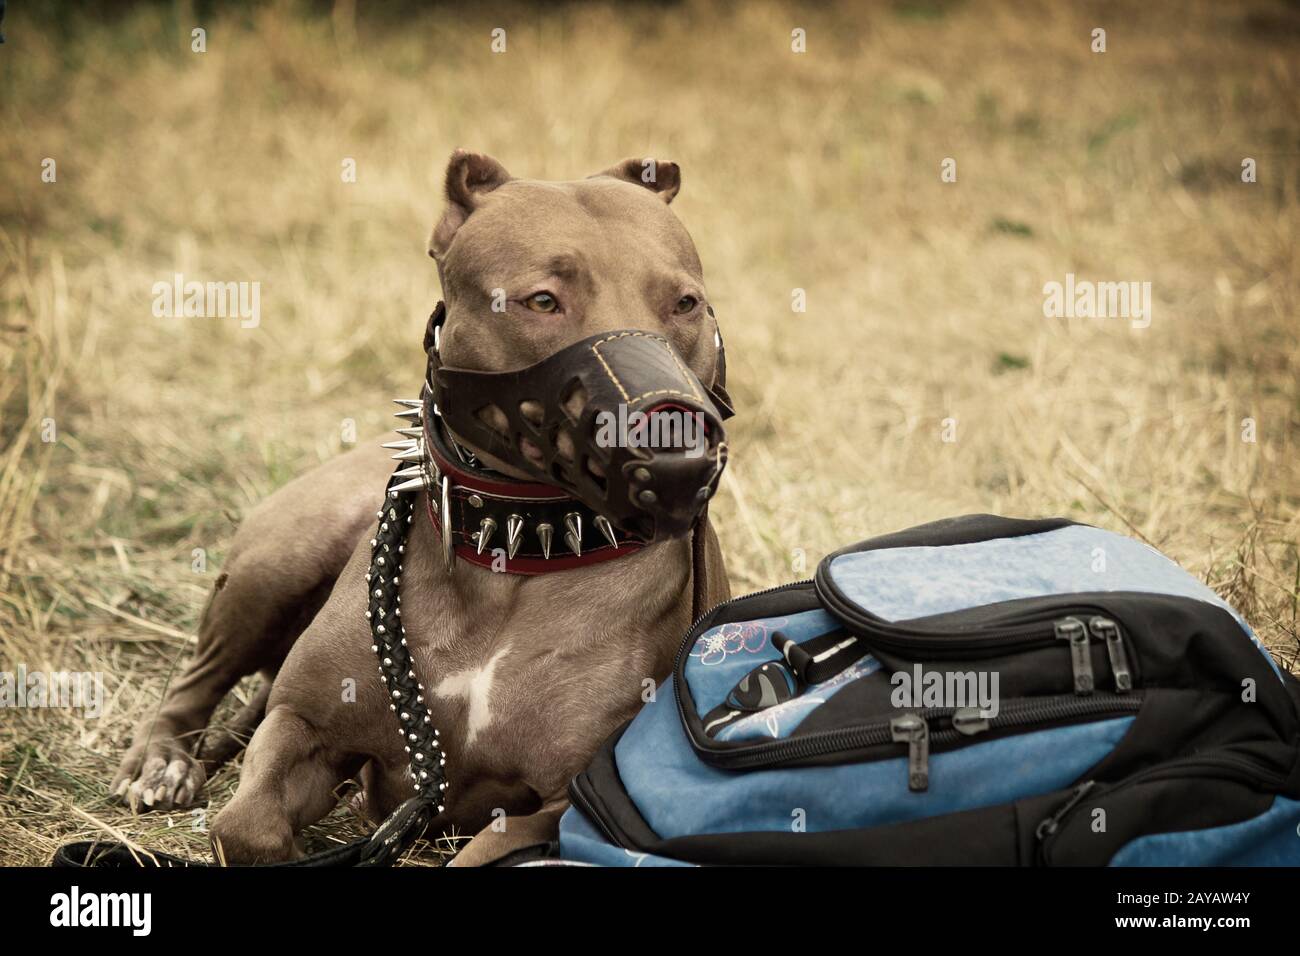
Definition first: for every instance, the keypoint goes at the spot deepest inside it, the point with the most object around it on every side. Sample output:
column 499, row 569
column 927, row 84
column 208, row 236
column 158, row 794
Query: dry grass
column 817, row 171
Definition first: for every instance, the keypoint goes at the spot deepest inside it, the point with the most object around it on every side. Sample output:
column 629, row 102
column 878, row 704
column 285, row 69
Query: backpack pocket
column 1191, row 805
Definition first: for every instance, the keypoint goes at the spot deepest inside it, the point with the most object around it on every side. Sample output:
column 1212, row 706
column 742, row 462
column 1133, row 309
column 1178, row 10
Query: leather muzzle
column 617, row 420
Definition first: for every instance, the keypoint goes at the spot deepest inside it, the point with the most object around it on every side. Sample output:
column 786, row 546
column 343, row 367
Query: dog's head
column 578, row 346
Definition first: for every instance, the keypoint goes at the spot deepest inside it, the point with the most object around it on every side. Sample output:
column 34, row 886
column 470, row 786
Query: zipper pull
column 1071, row 629
column 969, row 721
column 1108, row 631
column 915, row 732
column 1053, row 823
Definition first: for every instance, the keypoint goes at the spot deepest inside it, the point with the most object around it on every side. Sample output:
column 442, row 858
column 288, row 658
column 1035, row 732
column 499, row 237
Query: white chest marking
column 475, row 685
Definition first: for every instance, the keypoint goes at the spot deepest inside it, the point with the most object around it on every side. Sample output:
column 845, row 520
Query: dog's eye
column 686, row 303
column 542, row 302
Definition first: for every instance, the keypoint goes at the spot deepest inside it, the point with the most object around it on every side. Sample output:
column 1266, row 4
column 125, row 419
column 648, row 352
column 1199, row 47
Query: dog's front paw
column 158, row 775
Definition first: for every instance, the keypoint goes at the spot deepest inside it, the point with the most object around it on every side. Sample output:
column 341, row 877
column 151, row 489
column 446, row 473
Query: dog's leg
column 220, row 744
column 283, row 563
column 288, row 782
column 507, row 834
column 235, row 636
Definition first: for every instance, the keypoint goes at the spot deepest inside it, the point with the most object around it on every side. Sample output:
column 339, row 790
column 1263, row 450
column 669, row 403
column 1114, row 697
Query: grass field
column 130, row 445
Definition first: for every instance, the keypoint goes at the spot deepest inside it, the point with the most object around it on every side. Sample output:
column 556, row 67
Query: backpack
column 978, row 690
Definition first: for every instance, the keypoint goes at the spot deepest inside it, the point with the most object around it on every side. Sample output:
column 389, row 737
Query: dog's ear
column 657, row 175
column 470, row 176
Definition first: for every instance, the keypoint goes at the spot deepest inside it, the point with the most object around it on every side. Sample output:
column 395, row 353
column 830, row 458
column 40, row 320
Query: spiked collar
column 495, row 521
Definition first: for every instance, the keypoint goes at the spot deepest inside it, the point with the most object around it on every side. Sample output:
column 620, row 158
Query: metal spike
column 408, row 402
column 573, row 532
column 607, row 530
column 444, row 514
column 544, row 532
column 409, row 472
column 411, row 485
column 485, row 529
column 410, row 432
column 514, row 534
column 404, row 443
column 411, row 414
column 411, row 454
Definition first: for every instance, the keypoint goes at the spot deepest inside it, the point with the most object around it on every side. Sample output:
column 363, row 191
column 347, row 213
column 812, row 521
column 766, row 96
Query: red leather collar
column 475, row 498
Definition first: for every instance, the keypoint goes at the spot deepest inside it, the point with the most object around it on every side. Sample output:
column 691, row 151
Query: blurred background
column 921, row 380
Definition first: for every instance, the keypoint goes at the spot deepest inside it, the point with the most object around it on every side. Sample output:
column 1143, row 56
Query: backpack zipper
column 1105, row 629
column 1051, row 824
column 921, row 729
column 1080, row 637
column 1071, row 630
column 948, row 641
column 1062, row 625
column 1066, row 628
column 941, row 641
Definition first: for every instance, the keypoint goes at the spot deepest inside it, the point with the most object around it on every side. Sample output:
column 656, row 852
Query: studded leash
column 384, row 612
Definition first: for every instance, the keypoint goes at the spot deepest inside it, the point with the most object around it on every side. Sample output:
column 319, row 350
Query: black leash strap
column 408, row 822
column 402, row 828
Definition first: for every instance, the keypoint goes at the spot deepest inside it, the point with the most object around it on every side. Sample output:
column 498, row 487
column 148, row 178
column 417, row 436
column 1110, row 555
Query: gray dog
column 601, row 552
